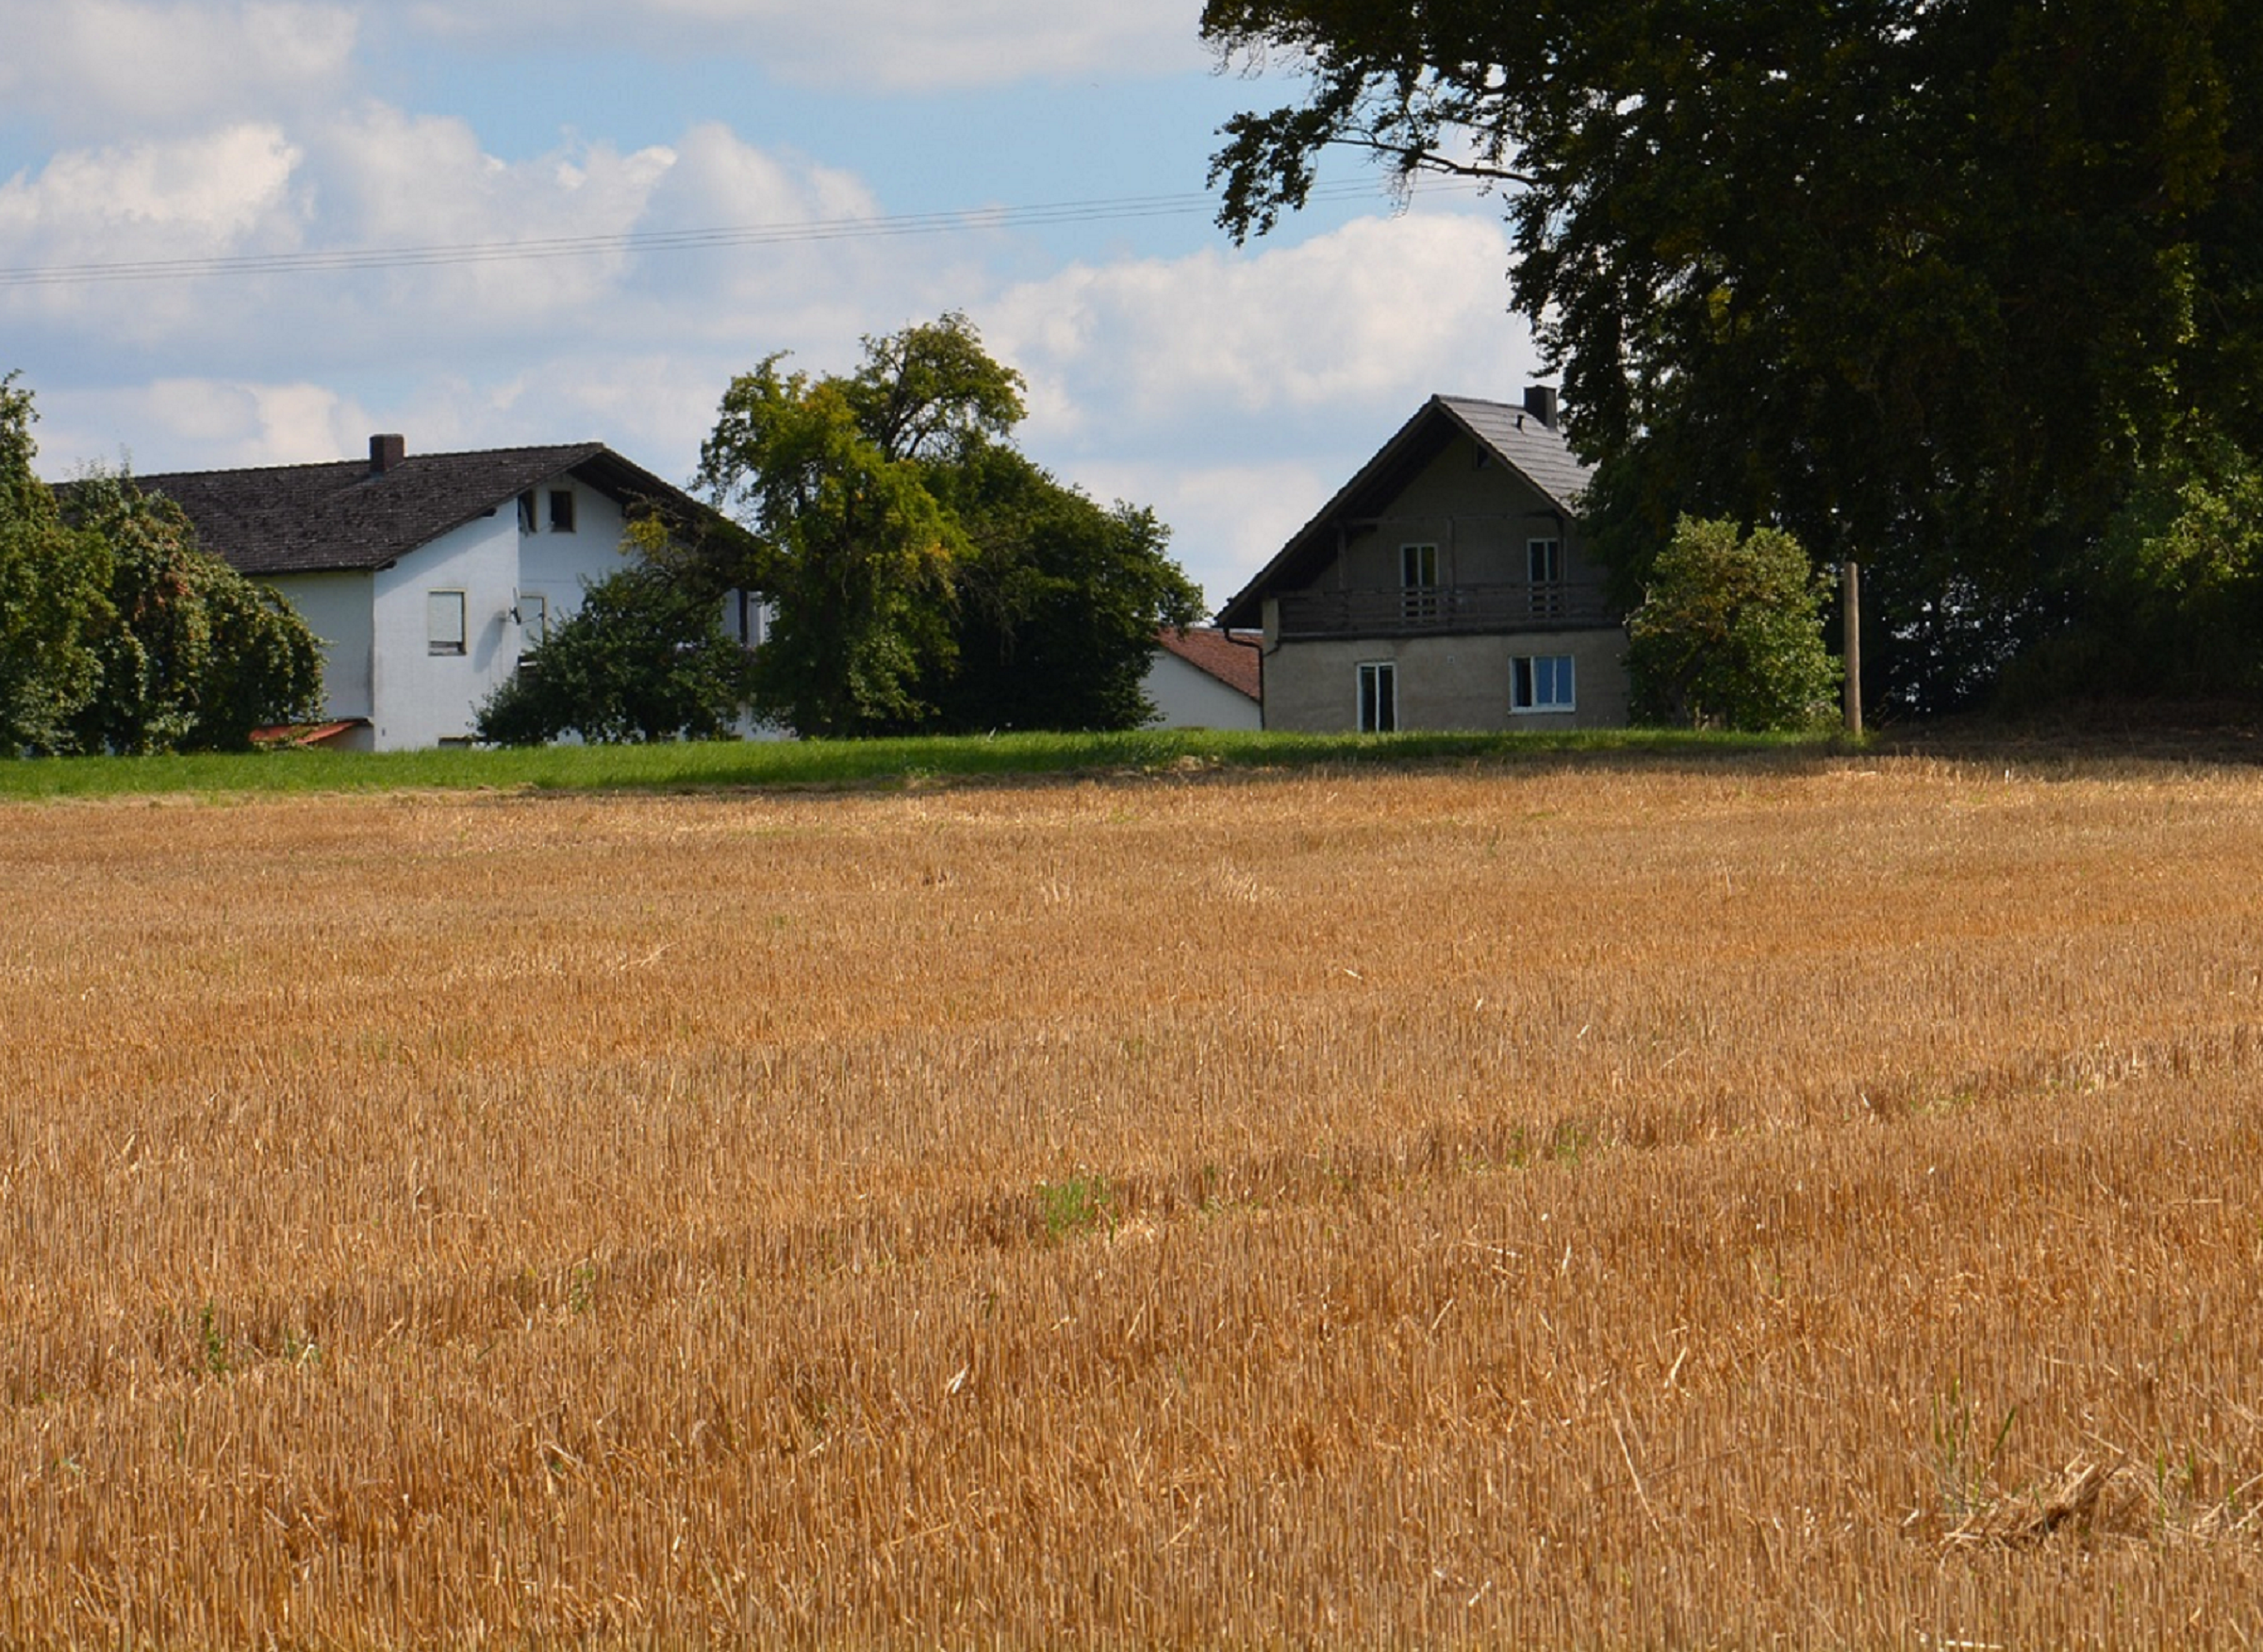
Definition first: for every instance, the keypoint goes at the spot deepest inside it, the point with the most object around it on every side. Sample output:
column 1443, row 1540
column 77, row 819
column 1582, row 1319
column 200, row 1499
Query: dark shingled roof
column 348, row 516
column 1516, row 435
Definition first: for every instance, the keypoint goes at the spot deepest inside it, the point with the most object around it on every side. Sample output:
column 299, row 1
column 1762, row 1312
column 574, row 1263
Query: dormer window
column 561, row 510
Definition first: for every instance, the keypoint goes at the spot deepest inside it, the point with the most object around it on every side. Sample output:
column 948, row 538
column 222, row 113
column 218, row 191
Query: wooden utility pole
column 1850, row 608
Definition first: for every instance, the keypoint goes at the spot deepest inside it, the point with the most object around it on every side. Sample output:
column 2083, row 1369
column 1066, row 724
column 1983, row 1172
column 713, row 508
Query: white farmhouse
column 427, row 576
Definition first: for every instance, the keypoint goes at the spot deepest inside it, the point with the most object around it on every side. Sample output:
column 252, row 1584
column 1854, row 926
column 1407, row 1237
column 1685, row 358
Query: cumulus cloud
column 466, row 300
column 168, row 66
column 886, row 46
column 1368, row 311
column 1226, row 520
column 380, row 238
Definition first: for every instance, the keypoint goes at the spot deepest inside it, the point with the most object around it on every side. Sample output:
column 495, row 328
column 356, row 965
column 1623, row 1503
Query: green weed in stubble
column 1076, row 1206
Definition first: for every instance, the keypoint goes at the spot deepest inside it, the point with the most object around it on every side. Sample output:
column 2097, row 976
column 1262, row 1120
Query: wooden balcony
column 1442, row 610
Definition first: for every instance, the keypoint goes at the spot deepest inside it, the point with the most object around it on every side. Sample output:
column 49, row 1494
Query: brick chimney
column 385, row 452
column 1540, row 400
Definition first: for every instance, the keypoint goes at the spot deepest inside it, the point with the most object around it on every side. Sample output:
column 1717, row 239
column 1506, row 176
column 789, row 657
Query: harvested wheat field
column 1597, row 1201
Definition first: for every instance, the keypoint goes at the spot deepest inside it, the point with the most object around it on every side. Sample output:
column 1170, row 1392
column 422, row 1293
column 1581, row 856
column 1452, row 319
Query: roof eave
column 1246, row 608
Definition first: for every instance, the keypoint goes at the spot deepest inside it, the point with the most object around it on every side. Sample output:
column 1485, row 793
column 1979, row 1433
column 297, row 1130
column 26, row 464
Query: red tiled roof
column 306, row 734
column 1217, row 654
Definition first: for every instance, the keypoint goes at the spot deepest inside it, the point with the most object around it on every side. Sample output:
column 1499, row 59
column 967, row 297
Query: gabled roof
column 352, row 515
column 1216, row 653
column 1516, row 437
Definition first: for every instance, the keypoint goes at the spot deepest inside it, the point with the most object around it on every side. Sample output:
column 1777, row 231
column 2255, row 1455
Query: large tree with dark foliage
column 52, row 583
column 1922, row 283
column 193, row 655
column 1056, row 600
column 118, row 632
column 921, row 574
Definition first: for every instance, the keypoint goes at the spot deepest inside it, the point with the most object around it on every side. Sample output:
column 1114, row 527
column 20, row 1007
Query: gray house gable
column 1446, row 585
column 1522, row 440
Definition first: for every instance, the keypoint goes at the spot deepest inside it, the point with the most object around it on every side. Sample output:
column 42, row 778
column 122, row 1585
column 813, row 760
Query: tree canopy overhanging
column 1930, row 285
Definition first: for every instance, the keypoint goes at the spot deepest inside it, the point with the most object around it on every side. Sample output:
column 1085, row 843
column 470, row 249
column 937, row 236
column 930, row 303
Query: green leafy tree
column 645, row 657
column 193, row 655
column 1729, row 635
column 922, row 574
column 2178, row 575
column 1057, row 602
column 1922, row 283
column 848, row 544
column 53, row 583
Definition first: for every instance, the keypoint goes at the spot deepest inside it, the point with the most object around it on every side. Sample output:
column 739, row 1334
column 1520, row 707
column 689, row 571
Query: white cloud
column 884, row 45
column 1225, row 519
column 147, row 199
column 428, row 215
column 183, row 423
column 103, row 66
column 1381, row 309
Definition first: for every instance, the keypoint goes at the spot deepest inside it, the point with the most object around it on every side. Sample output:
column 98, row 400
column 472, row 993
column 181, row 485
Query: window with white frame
column 526, row 512
column 1378, row 696
column 561, row 510
column 746, row 620
column 1543, row 569
column 1541, row 682
column 445, row 623
column 1418, row 580
column 534, row 621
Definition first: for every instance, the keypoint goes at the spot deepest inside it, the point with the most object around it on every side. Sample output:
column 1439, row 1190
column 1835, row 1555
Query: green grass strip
column 709, row 764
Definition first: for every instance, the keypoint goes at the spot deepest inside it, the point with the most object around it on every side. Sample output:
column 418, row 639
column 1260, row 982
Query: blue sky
column 1231, row 389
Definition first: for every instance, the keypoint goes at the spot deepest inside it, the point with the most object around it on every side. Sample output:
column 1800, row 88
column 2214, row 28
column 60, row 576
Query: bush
column 1729, row 633
column 645, row 657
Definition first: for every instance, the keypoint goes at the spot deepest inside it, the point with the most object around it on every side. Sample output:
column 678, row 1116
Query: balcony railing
column 1430, row 610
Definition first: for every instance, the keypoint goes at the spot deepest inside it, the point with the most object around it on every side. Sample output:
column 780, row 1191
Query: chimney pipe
column 385, row 452
column 1540, row 400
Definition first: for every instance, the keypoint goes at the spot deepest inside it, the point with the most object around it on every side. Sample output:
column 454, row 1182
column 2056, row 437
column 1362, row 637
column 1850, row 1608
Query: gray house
column 1445, row 587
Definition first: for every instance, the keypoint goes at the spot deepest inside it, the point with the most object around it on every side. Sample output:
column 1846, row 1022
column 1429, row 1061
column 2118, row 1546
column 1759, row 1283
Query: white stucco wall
column 559, row 567
column 419, row 698
column 335, row 607
column 1185, row 697
column 416, row 698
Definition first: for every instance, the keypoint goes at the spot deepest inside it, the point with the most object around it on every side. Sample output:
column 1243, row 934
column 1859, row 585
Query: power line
column 746, row 235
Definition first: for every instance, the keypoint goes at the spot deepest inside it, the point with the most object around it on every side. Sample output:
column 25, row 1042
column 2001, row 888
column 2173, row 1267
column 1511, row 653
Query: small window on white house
column 1378, row 696
column 445, row 623
column 1541, row 682
column 561, row 510
column 534, row 621
column 1544, row 568
column 526, row 512
column 1418, row 580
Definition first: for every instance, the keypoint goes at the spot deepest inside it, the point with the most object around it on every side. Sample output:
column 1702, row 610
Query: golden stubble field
column 1591, row 1202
